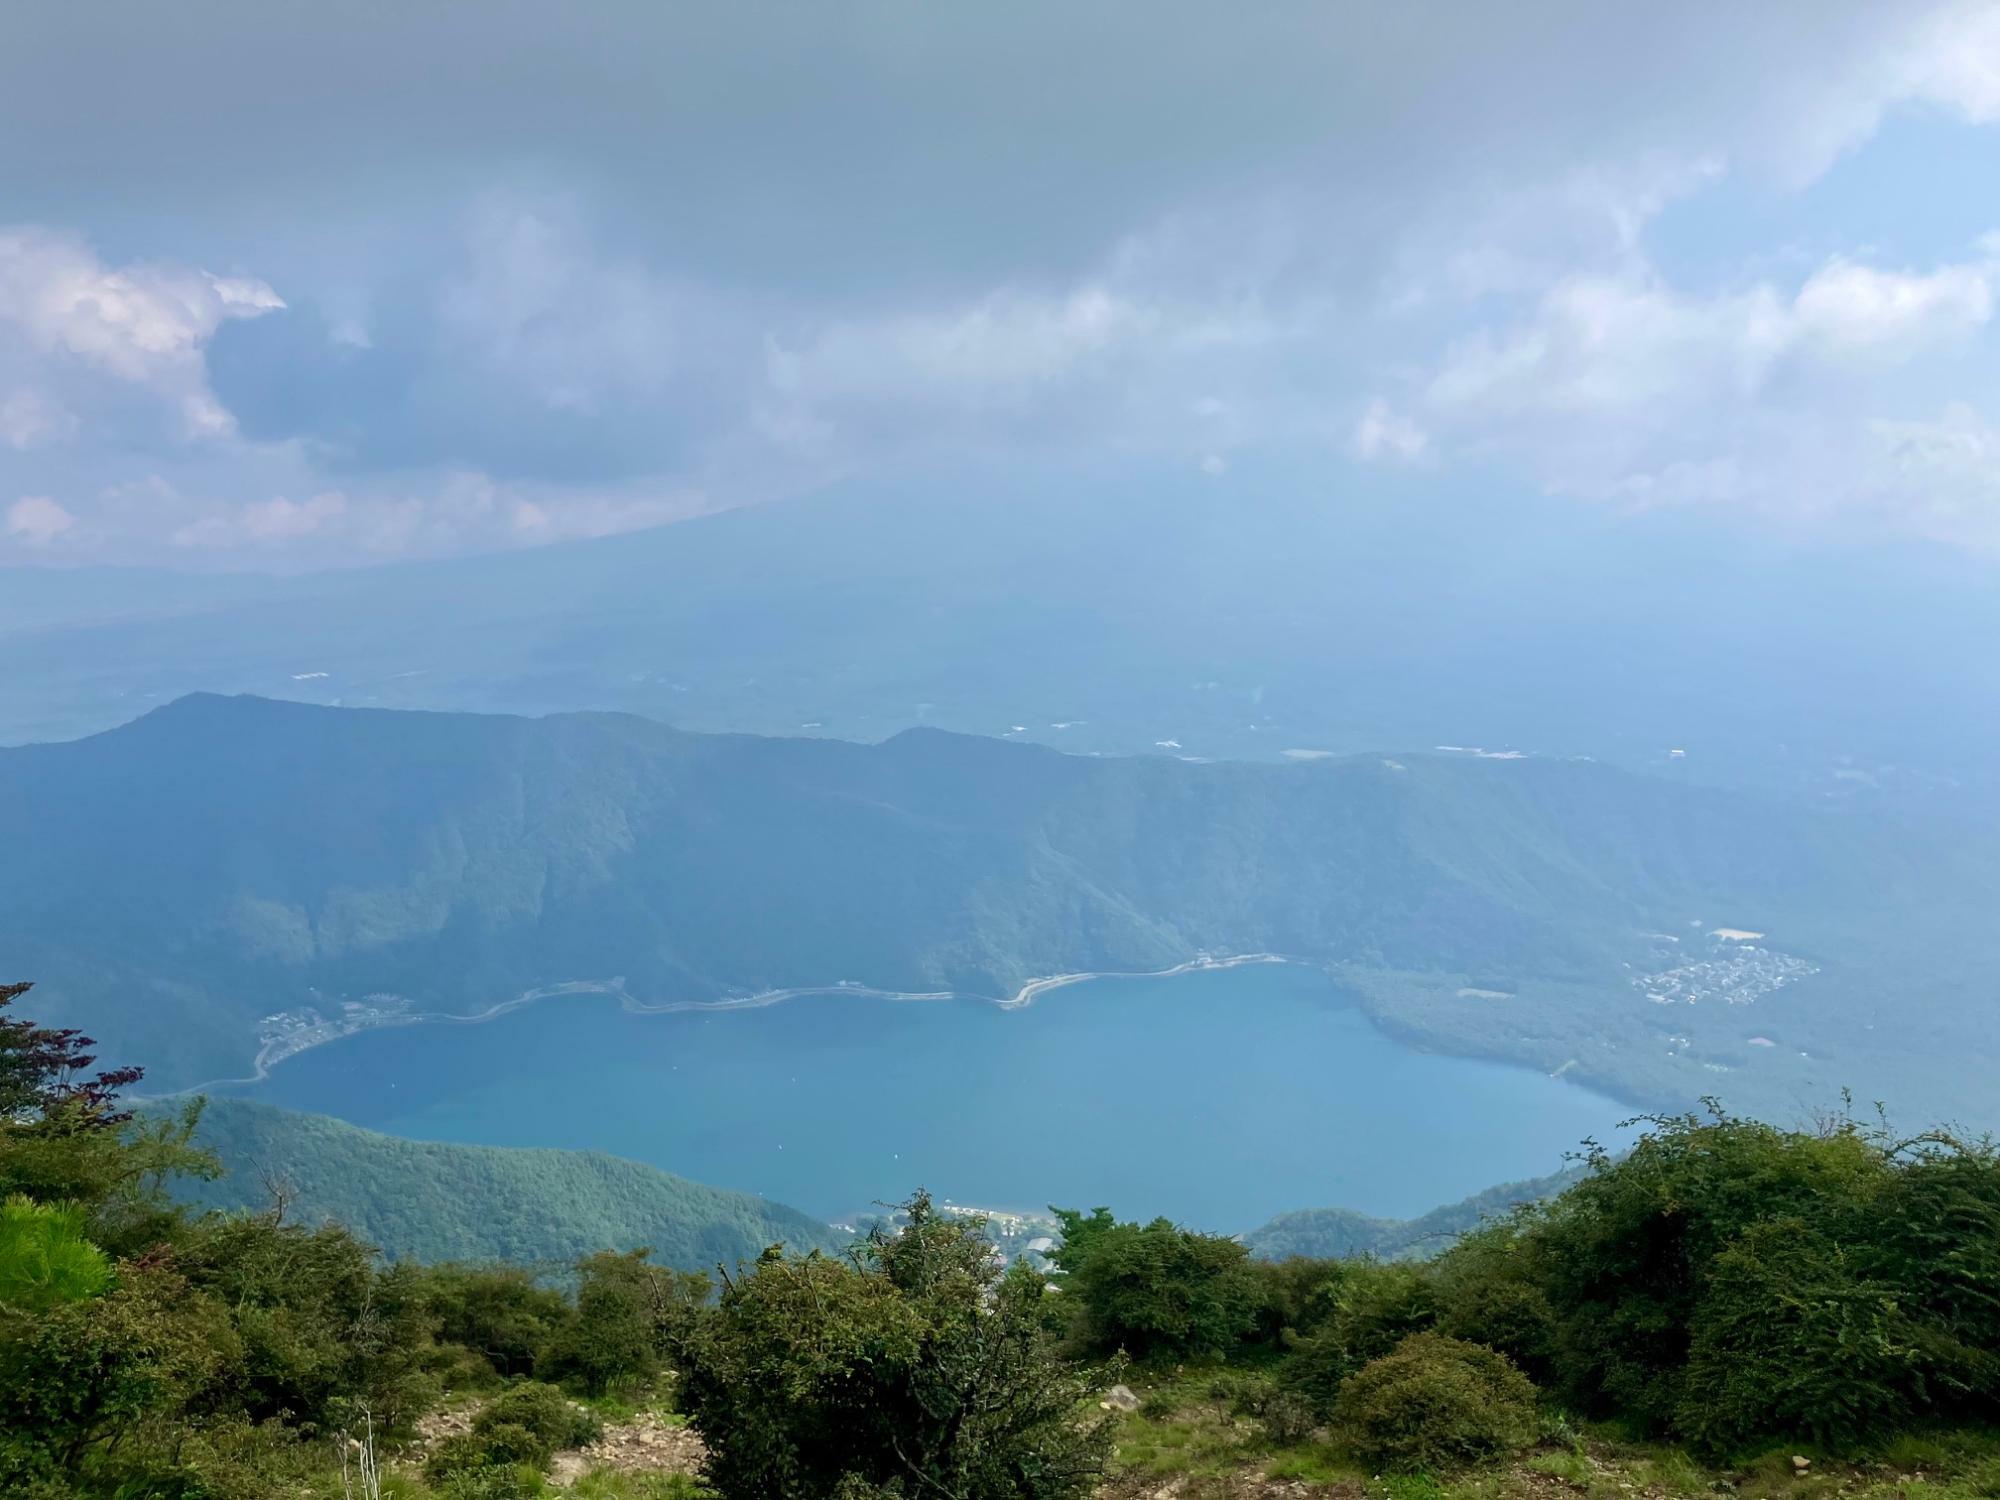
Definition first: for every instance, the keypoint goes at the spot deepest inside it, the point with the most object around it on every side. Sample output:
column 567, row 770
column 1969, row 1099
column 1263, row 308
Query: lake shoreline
column 274, row 1053
column 1105, row 1096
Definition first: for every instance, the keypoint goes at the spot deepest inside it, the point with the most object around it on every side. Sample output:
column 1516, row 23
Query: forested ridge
column 177, row 881
column 1723, row 1291
column 428, row 1201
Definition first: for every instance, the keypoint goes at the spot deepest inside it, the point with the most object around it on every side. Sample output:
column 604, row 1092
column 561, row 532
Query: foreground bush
column 628, row 1313
column 1435, row 1403
column 526, row 1425
column 1732, row 1284
column 1364, row 1310
column 1156, row 1291
column 918, row 1370
column 1794, row 1336
column 499, row 1313
column 44, row 1255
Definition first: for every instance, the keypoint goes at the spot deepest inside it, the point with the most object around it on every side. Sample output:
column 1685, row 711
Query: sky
column 293, row 285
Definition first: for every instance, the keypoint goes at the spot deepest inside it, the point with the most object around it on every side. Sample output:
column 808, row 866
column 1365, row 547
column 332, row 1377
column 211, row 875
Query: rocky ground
column 648, row 1443
column 652, row 1443
column 1186, row 1440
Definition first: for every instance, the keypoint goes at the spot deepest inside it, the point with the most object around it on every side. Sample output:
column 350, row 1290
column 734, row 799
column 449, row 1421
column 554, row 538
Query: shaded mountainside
column 1342, row 1233
column 220, row 860
column 432, row 1201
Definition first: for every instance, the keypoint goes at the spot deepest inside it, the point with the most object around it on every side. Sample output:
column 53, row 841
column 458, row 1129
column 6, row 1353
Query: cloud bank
column 420, row 280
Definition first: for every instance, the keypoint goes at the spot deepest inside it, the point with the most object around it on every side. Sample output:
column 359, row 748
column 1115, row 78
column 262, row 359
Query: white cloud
column 1000, row 349
column 1157, row 346
column 1610, row 345
column 1418, row 270
column 1941, row 475
column 1781, row 399
column 1847, row 308
column 37, row 520
column 1954, row 60
column 461, row 511
column 29, row 419
column 142, row 325
column 1383, row 433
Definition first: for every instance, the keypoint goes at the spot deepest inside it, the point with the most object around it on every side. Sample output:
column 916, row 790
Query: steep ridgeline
column 432, row 1201
column 174, row 883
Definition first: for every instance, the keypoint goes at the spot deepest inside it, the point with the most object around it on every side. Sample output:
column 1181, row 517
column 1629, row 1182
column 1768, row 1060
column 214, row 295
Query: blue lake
column 1217, row 1098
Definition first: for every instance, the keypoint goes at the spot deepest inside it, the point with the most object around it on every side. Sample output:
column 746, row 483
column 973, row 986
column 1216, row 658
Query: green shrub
column 1624, row 1256
column 543, row 1411
column 1735, row 1284
column 46, row 1256
column 526, row 1425
column 323, row 1329
column 1288, row 1419
column 629, row 1313
column 1295, row 1296
column 1488, row 1292
column 922, row 1367
column 1435, row 1403
column 1793, row 1337
column 498, row 1312
column 77, row 1378
column 1314, row 1370
column 1378, row 1304
column 1155, row 1291
column 1366, row 1312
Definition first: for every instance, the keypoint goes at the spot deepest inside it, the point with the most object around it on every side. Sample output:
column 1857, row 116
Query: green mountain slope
column 175, row 882
column 432, row 1201
column 1341, row 1232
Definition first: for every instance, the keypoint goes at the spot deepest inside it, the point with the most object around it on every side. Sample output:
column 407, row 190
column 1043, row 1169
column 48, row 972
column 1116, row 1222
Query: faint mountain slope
column 1320, row 1232
column 1107, row 611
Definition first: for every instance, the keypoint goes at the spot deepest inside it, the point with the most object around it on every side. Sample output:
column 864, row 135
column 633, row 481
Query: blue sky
column 291, row 286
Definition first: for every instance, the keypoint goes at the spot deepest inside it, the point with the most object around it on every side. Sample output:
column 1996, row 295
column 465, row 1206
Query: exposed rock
column 650, row 1444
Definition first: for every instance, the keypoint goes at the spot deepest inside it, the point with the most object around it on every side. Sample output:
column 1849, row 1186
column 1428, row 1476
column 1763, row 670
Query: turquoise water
column 1217, row 1098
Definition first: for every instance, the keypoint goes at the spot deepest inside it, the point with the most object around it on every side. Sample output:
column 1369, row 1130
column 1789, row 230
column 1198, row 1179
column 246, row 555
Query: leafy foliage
column 1433, row 1402
column 1731, row 1283
column 1794, row 1336
column 44, row 1072
column 1155, row 1291
column 628, row 1313
column 526, row 1425
column 918, row 1369
column 45, row 1257
column 500, row 1313
column 1365, row 1310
